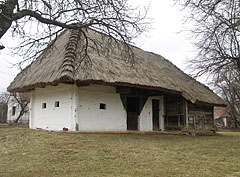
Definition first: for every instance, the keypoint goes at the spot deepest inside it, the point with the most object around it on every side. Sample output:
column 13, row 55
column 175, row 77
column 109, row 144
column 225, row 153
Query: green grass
column 25, row 152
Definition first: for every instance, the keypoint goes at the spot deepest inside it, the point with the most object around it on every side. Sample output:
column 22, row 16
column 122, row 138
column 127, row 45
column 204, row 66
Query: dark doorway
column 132, row 113
column 155, row 110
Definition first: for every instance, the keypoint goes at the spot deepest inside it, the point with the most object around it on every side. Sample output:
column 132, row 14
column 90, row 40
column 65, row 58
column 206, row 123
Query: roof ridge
column 70, row 55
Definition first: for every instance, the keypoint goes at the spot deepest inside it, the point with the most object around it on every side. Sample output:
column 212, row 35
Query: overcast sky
column 163, row 38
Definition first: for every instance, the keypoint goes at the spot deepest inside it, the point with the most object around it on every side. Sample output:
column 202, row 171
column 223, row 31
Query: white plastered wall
column 91, row 117
column 79, row 109
column 145, row 118
column 53, row 118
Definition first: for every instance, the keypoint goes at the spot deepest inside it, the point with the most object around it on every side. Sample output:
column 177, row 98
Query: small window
column 56, row 104
column 102, row 106
column 13, row 110
column 44, row 105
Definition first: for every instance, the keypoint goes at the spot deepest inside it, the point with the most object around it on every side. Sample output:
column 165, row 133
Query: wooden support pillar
column 167, row 120
column 194, row 122
column 186, row 114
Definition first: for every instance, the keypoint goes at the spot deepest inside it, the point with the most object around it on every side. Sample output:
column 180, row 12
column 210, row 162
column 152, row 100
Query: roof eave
column 69, row 80
column 63, row 79
column 197, row 102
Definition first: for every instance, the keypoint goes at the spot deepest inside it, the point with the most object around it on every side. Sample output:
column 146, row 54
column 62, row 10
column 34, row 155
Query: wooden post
column 186, row 114
column 167, row 120
column 213, row 125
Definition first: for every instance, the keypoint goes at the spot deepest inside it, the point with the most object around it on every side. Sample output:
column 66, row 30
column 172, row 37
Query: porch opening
column 155, row 117
column 132, row 113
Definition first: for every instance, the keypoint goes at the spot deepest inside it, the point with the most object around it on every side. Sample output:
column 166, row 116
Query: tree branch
column 40, row 18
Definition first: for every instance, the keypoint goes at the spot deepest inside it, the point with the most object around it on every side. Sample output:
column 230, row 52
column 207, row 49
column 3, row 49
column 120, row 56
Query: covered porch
column 168, row 110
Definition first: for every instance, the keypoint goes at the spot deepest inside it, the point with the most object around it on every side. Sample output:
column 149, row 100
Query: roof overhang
column 123, row 85
column 69, row 80
column 197, row 102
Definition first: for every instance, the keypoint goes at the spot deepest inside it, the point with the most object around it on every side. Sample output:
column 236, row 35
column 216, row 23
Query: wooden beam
column 123, row 90
column 82, row 84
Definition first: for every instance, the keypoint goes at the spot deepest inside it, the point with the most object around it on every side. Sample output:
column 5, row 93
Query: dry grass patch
column 26, row 152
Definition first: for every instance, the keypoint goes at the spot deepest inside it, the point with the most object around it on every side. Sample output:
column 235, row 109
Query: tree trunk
column 234, row 117
column 21, row 112
column 235, row 122
column 6, row 13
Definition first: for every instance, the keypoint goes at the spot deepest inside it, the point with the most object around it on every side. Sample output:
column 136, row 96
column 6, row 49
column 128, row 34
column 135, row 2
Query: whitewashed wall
column 52, row 118
column 12, row 102
column 145, row 118
column 90, row 117
column 79, row 109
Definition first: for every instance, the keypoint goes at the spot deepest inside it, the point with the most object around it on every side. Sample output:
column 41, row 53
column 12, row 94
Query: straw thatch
column 62, row 62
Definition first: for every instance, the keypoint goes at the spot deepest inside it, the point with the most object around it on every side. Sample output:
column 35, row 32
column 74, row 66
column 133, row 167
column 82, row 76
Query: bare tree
column 37, row 23
column 4, row 97
column 23, row 107
column 19, row 105
column 227, row 85
column 216, row 34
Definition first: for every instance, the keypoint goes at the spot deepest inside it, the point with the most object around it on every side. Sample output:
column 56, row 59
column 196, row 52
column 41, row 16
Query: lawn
column 25, row 152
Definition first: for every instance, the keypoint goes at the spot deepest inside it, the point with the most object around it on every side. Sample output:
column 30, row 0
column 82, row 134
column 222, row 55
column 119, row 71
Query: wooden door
column 132, row 113
column 132, row 121
column 155, row 118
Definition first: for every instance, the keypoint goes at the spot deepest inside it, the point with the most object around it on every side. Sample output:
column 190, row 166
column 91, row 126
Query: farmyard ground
column 25, row 152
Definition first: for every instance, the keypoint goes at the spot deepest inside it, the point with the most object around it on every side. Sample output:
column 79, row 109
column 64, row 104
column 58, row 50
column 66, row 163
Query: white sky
column 163, row 38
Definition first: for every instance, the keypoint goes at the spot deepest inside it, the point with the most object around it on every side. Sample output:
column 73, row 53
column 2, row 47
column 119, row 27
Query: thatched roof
column 60, row 63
